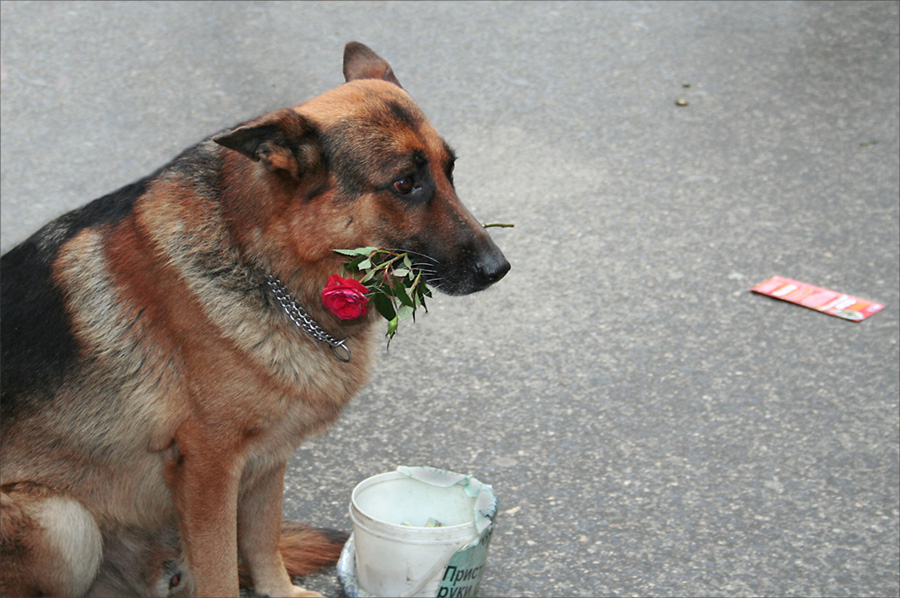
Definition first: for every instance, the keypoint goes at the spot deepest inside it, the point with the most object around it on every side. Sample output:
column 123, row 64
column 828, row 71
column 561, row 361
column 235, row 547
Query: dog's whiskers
column 436, row 282
column 416, row 253
column 428, row 274
column 424, row 269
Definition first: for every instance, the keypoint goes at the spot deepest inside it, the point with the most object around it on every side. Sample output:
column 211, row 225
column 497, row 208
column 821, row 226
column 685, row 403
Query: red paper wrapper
column 826, row 301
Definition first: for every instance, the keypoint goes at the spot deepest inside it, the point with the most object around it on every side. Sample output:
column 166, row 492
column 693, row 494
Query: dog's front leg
column 259, row 530
column 204, row 479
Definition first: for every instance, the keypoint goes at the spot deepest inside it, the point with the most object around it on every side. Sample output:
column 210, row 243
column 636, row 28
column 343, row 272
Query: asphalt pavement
column 649, row 425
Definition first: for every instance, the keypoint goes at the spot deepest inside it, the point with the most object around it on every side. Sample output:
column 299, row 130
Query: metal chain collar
column 304, row 321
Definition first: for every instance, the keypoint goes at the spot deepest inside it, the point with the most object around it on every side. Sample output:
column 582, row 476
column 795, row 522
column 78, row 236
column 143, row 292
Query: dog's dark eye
column 404, row 186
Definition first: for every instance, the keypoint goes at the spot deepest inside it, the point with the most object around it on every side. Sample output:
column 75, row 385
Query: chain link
column 304, row 321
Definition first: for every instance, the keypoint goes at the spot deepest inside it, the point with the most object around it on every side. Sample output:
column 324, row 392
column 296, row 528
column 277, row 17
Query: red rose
column 345, row 298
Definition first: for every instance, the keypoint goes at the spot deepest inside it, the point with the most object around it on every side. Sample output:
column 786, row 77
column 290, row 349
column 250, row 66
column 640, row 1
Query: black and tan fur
column 153, row 390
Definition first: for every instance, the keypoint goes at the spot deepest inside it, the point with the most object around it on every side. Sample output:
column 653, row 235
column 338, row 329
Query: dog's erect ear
column 360, row 62
column 282, row 140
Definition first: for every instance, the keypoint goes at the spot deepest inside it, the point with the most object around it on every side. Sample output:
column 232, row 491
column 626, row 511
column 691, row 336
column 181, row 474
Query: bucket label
column 463, row 572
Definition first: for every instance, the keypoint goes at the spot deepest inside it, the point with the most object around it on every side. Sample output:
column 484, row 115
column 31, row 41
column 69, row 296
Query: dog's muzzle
column 473, row 270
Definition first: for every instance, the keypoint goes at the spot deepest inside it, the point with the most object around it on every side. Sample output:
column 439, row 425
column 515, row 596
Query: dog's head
column 359, row 166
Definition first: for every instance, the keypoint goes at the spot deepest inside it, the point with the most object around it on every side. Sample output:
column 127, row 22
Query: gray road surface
column 649, row 425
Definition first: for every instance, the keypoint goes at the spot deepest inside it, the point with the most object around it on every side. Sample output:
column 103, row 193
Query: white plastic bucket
column 397, row 555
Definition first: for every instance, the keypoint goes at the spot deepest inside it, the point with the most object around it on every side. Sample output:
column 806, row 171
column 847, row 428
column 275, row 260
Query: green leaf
column 405, row 312
column 353, row 265
column 418, row 297
column 357, row 251
column 401, row 272
column 392, row 326
column 384, row 306
column 369, row 276
column 365, row 264
column 400, row 293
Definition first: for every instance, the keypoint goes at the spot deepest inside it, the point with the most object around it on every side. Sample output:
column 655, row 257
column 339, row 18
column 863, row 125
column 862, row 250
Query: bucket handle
column 438, row 565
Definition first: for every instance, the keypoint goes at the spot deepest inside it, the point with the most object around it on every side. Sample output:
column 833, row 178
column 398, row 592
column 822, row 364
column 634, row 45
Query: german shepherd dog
column 153, row 388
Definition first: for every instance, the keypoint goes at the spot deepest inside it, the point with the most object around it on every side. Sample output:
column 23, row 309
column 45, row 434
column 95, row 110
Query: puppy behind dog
column 153, row 388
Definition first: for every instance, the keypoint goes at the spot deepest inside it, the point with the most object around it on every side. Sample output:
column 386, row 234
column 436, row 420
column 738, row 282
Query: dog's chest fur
column 171, row 326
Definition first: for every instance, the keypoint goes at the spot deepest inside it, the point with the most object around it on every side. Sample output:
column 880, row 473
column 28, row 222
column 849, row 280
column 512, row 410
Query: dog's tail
column 305, row 549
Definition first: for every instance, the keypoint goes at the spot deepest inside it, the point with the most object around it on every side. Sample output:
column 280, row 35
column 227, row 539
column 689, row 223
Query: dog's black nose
column 490, row 268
